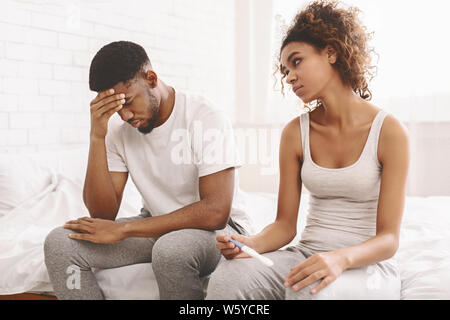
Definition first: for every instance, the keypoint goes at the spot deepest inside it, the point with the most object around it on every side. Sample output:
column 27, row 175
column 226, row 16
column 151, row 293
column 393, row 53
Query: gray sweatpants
column 181, row 260
column 247, row 278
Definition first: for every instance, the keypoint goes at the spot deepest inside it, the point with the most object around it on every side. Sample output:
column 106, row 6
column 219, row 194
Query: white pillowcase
column 25, row 176
column 22, row 177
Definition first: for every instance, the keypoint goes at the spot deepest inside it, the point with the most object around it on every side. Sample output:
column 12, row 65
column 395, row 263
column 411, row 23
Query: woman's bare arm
column 284, row 229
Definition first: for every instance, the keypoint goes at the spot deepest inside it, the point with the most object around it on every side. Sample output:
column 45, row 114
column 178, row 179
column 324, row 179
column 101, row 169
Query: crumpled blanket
column 23, row 231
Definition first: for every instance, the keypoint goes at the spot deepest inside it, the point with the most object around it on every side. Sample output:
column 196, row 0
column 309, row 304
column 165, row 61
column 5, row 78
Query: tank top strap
column 304, row 127
column 374, row 134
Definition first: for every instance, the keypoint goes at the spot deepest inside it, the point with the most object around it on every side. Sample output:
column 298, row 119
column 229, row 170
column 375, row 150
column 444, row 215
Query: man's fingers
column 108, row 109
column 87, row 219
column 110, row 112
column 101, row 95
column 80, row 226
column 107, row 100
column 115, row 99
column 80, row 236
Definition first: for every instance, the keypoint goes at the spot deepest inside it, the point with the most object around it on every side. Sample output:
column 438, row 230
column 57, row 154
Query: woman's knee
column 366, row 283
column 245, row 279
column 228, row 281
column 303, row 294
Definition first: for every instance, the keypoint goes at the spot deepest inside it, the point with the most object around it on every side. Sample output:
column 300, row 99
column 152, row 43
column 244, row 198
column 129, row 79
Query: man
column 187, row 198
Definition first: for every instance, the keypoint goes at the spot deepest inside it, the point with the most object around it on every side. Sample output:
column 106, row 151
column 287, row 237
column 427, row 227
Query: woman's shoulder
column 292, row 130
column 291, row 136
column 393, row 138
column 392, row 127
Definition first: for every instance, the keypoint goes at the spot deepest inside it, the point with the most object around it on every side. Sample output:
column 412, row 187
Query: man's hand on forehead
column 105, row 104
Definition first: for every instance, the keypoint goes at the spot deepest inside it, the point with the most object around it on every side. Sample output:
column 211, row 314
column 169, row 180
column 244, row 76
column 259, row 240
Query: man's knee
column 183, row 246
column 56, row 241
column 182, row 243
column 58, row 249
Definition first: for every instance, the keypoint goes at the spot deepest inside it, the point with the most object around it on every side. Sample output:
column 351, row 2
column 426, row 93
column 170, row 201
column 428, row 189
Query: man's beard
column 151, row 122
column 149, row 127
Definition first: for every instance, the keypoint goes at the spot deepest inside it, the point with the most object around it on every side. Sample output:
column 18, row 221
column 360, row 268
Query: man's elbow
column 219, row 218
column 111, row 215
column 102, row 212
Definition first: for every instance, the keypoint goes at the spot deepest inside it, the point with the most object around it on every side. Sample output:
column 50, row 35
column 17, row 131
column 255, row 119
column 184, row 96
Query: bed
column 39, row 192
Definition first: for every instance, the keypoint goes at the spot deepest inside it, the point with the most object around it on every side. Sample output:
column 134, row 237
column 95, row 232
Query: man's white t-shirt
column 166, row 164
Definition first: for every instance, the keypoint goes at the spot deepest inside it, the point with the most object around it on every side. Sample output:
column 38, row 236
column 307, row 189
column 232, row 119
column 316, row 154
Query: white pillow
column 71, row 163
column 22, row 176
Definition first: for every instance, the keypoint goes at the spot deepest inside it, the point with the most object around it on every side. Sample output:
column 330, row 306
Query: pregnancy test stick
column 253, row 253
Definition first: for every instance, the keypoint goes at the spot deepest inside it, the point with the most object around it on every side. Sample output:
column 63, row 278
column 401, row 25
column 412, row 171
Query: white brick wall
column 4, row 120
column 46, row 48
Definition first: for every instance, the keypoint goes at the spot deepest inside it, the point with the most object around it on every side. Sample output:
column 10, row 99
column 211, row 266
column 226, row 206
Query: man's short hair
column 116, row 62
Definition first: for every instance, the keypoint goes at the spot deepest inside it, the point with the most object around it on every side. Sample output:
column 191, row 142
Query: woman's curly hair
column 322, row 23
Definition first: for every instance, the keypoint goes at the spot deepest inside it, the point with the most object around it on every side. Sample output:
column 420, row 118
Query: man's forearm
column 98, row 192
column 203, row 214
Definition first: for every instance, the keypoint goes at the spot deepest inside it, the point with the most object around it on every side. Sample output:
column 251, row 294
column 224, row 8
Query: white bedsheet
column 423, row 256
column 424, row 252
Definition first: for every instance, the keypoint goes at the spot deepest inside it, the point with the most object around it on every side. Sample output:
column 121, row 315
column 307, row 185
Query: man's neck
column 166, row 105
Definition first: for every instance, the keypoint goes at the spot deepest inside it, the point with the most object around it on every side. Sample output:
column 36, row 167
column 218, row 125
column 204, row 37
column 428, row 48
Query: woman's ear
column 332, row 54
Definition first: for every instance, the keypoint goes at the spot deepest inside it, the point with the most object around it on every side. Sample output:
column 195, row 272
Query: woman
column 352, row 156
